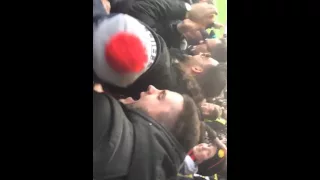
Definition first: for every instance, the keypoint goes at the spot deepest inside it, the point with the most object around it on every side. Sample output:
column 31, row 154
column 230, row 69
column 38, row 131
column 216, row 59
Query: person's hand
column 203, row 14
column 223, row 139
column 217, row 25
column 191, row 25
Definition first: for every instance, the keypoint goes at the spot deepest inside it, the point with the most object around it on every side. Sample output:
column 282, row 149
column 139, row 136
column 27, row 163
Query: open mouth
column 128, row 100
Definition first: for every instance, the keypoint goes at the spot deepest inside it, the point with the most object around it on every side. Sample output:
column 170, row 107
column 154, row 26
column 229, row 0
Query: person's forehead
column 174, row 95
column 176, row 98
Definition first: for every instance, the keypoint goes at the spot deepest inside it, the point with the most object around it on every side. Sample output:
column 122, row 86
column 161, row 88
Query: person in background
column 144, row 59
column 196, row 156
column 216, row 47
column 217, row 165
column 133, row 140
column 211, row 153
column 215, row 116
column 207, row 72
column 211, row 111
column 195, row 37
column 172, row 19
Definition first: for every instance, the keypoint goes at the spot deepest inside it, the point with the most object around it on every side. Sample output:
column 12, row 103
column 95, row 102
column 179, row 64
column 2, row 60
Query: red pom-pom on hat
column 125, row 53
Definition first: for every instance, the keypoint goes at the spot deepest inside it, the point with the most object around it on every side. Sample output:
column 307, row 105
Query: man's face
column 205, row 47
column 208, row 108
column 202, row 60
column 204, row 152
column 157, row 102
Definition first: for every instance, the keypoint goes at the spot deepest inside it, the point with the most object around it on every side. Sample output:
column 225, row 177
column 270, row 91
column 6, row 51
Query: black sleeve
column 160, row 10
column 101, row 116
column 171, row 35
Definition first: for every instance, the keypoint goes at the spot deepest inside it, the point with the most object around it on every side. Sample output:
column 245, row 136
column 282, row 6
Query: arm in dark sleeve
column 171, row 35
column 173, row 28
column 161, row 9
column 101, row 116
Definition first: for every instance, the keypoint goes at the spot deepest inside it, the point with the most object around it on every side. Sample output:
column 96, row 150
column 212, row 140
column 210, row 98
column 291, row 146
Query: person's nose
column 152, row 89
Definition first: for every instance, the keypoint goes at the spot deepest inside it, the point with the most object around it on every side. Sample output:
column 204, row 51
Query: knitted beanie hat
column 123, row 49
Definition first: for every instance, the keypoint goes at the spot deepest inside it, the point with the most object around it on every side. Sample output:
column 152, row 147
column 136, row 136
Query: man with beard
column 216, row 47
column 135, row 140
column 128, row 56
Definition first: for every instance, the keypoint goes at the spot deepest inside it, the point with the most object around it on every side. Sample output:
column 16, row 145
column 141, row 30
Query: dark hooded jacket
column 161, row 74
column 161, row 15
column 128, row 144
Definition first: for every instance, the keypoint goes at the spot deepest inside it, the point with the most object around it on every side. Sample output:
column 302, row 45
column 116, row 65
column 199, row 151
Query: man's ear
column 197, row 69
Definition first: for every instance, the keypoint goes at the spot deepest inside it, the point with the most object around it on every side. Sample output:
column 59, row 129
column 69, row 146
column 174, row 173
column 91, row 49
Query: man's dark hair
column 219, row 52
column 187, row 127
column 189, row 84
column 213, row 80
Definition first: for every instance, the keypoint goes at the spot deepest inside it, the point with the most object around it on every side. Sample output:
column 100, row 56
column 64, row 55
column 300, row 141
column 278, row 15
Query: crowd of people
column 159, row 90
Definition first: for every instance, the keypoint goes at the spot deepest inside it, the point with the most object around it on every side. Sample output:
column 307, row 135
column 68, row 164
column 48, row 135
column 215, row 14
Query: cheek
column 149, row 102
column 201, row 156
column 205, row 111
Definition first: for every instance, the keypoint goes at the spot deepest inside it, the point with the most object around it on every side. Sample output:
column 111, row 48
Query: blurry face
column 207, row 108
column 198, row 62
column 204, row 152
column 205, row 47
column 155, row 102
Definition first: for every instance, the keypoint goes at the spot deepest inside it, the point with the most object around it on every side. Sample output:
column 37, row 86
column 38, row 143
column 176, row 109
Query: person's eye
column 162, row 95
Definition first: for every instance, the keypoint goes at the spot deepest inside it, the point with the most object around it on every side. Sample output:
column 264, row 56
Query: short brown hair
column 213, row 80
column 189, row 84
column 187, row 127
